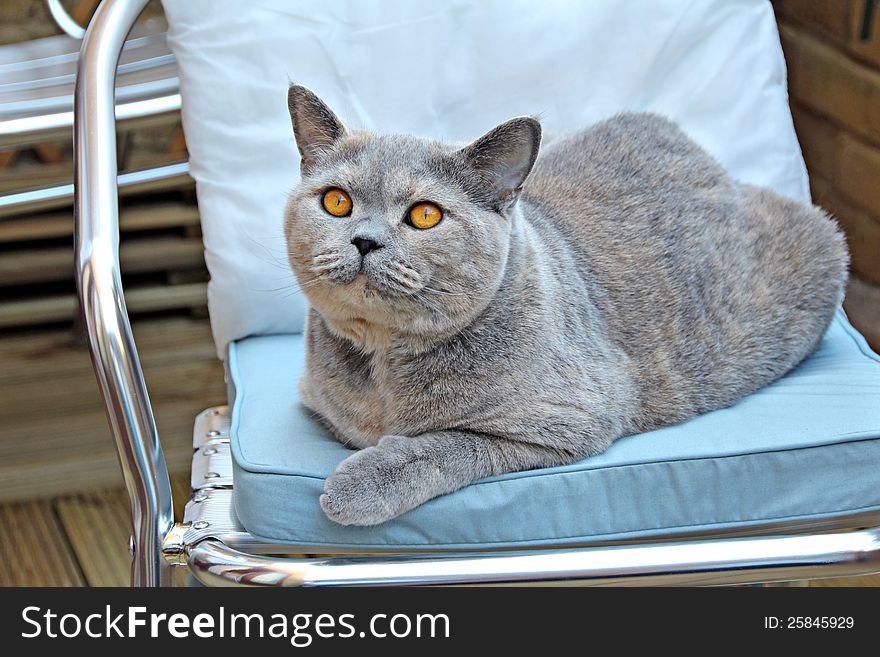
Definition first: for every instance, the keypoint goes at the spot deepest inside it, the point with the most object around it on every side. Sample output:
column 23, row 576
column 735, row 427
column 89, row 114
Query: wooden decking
column 54, row 438
column 74, row 540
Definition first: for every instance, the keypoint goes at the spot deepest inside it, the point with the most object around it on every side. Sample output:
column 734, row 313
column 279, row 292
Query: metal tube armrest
column 108, row 331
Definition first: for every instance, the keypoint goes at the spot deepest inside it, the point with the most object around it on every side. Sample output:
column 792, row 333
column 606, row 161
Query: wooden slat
column 137, row 218
column 152, row 254
column 63, row 444
column 88, row 473
column 170, row 116
column 83, row 458
column 138, row 300
column 97, row 528
column 65, row 422
column 868, row 580
column 92, row 465
column 7, row 158
column 32, row 176
column 61, row 187
column 862, row 305
column 49, row 153
column 74, row 393
column 33, row 549
column 67, row 434
column 181, row 492
column 40, row 355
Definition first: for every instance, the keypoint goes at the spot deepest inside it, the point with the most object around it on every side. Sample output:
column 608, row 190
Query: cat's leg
column 400, row 473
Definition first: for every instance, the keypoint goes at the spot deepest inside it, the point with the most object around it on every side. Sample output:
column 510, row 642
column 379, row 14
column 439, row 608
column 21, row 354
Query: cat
column 483, row 309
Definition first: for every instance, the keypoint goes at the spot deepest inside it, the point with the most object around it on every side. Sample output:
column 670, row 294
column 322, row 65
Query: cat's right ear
column 315, row 126
column 503, row 158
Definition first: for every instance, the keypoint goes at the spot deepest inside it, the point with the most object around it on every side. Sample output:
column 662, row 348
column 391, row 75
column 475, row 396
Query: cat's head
column 400, row 233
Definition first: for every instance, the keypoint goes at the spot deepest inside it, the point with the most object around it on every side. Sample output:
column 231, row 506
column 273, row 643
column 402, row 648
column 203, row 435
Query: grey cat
column 485, row 309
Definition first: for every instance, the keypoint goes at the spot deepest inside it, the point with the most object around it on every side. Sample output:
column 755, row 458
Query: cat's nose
column 365, row 245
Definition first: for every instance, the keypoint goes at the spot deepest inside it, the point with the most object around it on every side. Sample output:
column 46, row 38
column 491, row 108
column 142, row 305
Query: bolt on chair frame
column 211, row 542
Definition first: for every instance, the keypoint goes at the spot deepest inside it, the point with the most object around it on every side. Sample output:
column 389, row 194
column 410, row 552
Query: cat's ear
column 503, row 158
column 315, row 126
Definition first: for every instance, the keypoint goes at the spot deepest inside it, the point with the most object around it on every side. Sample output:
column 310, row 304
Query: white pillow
column 450, row 69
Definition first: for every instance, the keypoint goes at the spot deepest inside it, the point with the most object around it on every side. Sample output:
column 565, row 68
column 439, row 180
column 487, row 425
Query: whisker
column 291, row 289
column 433, row 307
column 403, row 267
column 310, row 283
column 326, row 267
column 283, row 288
column 323, row 256
column 466, row 295
column 443, row 292
column 406, row 270
column 407, row 284
column 268, row 257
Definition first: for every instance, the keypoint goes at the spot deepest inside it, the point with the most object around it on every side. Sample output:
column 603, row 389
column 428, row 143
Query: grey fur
column 628, row 285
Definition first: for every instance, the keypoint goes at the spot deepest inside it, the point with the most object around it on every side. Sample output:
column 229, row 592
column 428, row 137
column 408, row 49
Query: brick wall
column 832, row 48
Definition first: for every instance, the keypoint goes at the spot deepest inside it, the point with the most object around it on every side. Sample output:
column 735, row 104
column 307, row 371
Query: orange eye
column 337, row 202
column 425, row 215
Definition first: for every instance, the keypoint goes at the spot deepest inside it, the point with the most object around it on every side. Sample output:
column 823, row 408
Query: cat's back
column 630, row 155
column 632, row 190
column 713, row 288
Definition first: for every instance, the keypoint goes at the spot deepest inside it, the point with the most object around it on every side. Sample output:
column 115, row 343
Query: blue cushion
column 806, row 447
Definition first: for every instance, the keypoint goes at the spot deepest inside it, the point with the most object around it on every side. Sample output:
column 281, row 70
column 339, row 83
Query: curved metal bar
column 112, row 347
column 56, row 125
column 64, row 21
column 44, row 198
column 711, row 562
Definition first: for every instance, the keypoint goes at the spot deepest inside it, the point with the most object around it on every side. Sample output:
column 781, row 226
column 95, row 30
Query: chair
column 213, row 542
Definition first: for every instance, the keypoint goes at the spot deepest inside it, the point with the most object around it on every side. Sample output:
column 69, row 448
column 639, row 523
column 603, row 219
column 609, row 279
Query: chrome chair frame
column 220, row 552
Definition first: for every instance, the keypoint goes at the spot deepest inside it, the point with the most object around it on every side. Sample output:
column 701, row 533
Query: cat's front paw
column 361, row 491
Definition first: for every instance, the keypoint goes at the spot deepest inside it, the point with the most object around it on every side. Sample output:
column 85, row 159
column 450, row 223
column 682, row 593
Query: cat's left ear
column 315, row 126
column 504, row 157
